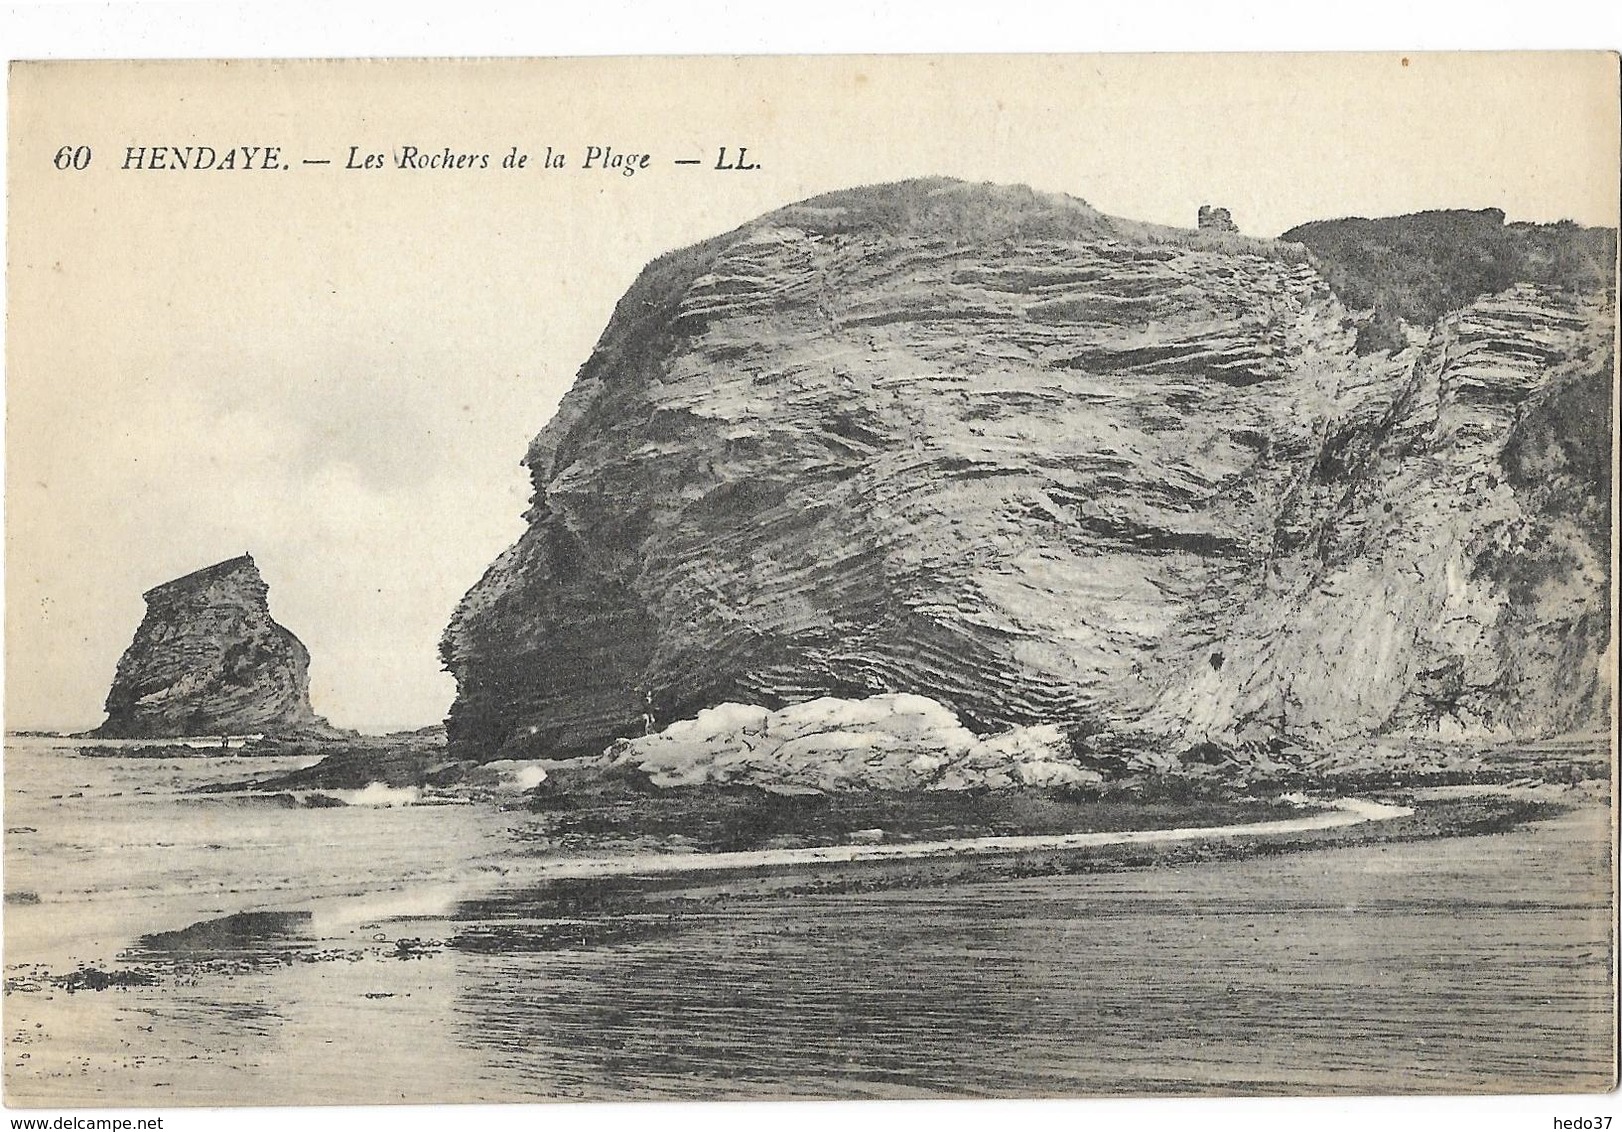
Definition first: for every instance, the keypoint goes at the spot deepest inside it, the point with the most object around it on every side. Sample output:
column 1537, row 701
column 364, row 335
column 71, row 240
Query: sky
column 339, row 370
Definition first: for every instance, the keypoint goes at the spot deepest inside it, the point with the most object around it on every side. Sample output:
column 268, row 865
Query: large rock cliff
column 208, row 659
column 1046, row 466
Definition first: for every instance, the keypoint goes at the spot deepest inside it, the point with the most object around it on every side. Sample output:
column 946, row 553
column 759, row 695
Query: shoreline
column 534, row 904
column 1336, row 814
column 586, row 949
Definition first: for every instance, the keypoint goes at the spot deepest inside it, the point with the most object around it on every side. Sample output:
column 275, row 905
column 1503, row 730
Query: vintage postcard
column 810, row 577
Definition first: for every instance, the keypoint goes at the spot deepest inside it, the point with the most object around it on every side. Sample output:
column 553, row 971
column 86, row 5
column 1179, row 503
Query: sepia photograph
column 810, row 577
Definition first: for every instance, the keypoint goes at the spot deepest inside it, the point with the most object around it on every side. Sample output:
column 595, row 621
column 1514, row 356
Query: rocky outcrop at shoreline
column 888, row 742
column 1049, row 467
column 208, row 659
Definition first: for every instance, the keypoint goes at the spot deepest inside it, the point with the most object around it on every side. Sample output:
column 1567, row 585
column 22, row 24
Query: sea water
column 1458, row 965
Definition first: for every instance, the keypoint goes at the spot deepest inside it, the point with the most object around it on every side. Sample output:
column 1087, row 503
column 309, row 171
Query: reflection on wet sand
column 363, row 955
column 1476, row 964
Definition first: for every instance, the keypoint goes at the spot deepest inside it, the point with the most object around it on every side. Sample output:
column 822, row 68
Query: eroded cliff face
column 1050, row 467
column 208, row 659
column 1443, row 567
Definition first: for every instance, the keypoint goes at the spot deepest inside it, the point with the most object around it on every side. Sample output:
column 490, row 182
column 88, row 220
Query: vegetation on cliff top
column 1419, row 267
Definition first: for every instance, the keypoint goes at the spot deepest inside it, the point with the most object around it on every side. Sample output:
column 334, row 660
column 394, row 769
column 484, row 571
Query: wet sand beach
column 443, row 961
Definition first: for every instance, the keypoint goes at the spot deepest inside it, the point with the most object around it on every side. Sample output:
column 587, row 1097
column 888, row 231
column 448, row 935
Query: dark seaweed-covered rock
column 356, row 767
column 230, row 933
column 95, row 979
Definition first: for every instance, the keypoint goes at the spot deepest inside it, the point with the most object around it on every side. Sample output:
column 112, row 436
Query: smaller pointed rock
column 208, row 659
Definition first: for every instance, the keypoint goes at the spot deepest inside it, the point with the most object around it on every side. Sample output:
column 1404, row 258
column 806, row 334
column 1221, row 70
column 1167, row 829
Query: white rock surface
column 887, row 742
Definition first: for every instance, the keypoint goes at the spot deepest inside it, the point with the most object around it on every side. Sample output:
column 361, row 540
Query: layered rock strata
column 1045, row 466
column 208, row 659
